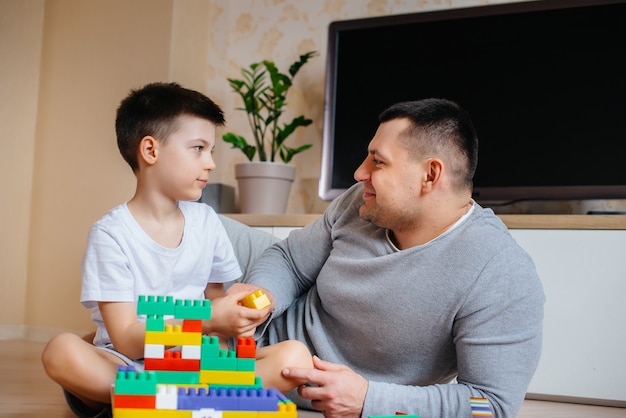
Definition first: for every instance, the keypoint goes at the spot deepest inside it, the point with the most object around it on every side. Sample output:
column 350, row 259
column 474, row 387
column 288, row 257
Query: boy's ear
column 148, row 150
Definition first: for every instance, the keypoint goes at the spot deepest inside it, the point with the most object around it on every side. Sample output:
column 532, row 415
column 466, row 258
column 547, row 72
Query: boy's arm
column 214, row 290
column 127, row 335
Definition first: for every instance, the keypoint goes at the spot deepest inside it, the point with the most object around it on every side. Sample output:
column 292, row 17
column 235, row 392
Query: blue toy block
column 258, row 400
column 160, row 305
column 193, row 309
column 219, row 399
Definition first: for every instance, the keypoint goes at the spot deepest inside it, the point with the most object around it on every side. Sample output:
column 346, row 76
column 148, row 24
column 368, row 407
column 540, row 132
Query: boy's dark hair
column 153, row 110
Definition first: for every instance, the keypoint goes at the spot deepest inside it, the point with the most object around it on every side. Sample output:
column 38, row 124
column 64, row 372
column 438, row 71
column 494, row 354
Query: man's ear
column 432, row 174
column 148, row 150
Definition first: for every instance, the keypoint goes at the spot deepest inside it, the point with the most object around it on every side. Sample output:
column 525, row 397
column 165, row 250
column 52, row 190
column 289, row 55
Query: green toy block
column 246, row 364
column 161, row 305
column 131, row 382
column 225, row 360
column 258, row 384
column 177, row 377
column 193, row 309
column 155, row 323
column 210, row 346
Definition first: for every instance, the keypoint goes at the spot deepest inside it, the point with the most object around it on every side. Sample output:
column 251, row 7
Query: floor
column 26, row 391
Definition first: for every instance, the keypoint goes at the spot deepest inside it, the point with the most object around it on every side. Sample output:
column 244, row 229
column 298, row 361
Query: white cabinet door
column 584, row 277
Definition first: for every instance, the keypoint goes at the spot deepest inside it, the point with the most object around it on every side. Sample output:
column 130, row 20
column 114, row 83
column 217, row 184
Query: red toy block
column 172, row 361
column 134, row 401
column 192, row 325
column 246, row 348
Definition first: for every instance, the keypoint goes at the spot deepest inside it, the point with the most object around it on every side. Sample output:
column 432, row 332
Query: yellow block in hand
column 256, row 300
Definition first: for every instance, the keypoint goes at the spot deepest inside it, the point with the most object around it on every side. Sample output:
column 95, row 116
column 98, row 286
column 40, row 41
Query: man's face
column 391, row 178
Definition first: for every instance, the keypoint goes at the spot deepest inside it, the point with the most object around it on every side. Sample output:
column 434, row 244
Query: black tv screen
column 544, row 82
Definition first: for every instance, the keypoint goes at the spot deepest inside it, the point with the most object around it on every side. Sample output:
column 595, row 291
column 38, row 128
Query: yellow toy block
column 240, row 414
column 173, row 336
column 256, row 300
column 285, row 410
column 150, row 413
column 226, row 377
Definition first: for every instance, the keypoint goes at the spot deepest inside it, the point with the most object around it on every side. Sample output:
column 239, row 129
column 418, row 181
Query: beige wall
column 65, row 66
column 21, row 25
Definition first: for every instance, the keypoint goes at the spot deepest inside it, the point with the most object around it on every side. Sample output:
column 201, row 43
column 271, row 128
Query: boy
column 158, row 243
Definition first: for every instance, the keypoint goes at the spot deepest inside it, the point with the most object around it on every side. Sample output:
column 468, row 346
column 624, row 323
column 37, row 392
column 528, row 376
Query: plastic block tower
column 196, row 378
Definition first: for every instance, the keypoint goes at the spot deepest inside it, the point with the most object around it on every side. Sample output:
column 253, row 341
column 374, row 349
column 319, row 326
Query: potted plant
column 263, row 90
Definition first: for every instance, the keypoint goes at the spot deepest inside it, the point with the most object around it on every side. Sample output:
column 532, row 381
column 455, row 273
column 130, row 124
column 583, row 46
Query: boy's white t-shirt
column 122, row 262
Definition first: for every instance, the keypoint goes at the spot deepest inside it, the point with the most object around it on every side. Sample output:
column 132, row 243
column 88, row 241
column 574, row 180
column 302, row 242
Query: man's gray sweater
column 468, row 304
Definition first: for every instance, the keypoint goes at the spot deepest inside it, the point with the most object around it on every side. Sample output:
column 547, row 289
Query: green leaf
column 288, row 129
column 240, row 142
column 286, row 153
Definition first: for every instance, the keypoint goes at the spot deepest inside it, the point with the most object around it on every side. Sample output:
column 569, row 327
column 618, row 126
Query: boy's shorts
column 83, row 411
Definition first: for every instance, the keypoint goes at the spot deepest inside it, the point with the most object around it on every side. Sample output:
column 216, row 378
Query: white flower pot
column 264, row 187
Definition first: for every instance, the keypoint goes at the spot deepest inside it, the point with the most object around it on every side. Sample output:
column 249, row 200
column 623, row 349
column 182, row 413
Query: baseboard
column 576, row 400
column 32, row 333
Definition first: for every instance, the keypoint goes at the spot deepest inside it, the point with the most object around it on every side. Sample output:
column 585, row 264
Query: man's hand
column 340, row 392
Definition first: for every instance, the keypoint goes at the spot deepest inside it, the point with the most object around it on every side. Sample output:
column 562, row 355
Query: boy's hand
column 250, row 288
column 230, row 318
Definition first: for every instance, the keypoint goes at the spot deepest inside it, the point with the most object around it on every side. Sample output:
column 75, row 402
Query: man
column 406, row 284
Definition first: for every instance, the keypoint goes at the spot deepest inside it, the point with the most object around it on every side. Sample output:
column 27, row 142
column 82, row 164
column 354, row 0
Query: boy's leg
column 83, row 370
column 272, row 359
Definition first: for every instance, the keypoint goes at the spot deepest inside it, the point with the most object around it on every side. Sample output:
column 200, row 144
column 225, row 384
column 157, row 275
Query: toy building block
column 159, row 306
column 172, row 361
column 259, row 399
column 286, row 409
column 130, row 382
column 210, row 346
column 177, row 377
column 134, row 401
column 225, row 360
column 155, row 323
column 206, row 413
column 151, row 413
column 193, row 309
column 256, row 300
column 191, row 352
column 166, row 397
column 154, row 351
column 219, row 399
column 246, row 348
column 173, row 336
column 192, row 325
column 246, row 364
column 226, row 377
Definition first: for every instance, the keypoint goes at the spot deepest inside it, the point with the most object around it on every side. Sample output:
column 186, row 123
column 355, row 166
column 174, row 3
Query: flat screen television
column 544, row 82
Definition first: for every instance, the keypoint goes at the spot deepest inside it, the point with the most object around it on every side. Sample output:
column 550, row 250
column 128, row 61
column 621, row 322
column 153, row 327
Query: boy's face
column 185, row 159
